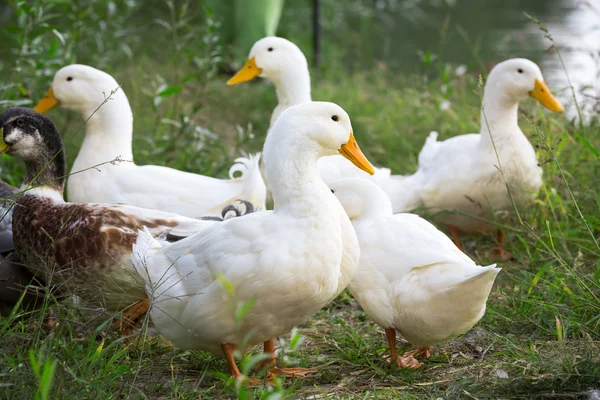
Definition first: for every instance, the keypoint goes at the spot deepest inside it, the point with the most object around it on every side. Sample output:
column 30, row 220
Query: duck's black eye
column 335, row 118
column 520, row 71
column 332, row 191
column 20, row 122
column 69, row 78
column 270, row 49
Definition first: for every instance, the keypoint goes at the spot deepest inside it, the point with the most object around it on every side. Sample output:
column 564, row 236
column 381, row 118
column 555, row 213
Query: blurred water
column 406, row 35
column 576, row 31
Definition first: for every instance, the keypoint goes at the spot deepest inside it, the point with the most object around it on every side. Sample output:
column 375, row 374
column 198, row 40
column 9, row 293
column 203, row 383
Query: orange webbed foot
column 292, row 372
column 131, row 317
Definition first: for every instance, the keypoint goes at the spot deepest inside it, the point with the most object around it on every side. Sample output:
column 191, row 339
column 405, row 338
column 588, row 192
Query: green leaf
column 46, row 379
column 587, row 144
column 242, row 310
column 170, row 91
column 296, row 340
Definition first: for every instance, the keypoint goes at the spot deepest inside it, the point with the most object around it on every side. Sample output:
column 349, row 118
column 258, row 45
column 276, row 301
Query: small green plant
column 43, row 368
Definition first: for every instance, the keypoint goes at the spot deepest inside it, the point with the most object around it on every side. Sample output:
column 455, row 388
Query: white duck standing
column 464, row 179
column 283, row 63
column 290, row 262
column 411, row 278
column 109, row 134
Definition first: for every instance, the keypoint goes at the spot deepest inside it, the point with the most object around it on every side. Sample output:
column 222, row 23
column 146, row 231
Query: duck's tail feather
column 248, row 171
column 478, row 286
column 143, row 250
column 429, row 149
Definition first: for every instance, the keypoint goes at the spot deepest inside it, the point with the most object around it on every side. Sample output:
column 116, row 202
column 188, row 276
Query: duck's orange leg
column 228, row 349
column 454, row 233
column 404, row 361
column 131, row 317
column 269, row 348
column 504, row 254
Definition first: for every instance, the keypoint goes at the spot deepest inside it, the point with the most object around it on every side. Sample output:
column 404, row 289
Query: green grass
column 518, row 350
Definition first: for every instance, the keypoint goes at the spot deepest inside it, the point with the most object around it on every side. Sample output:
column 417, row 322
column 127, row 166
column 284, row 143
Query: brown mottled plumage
column 83, row 244
column 85, row 248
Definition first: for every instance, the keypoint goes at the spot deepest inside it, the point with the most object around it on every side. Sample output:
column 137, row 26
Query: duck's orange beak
column 352, row 152
column 542, row 94
column 248, row 72
column 47, row 103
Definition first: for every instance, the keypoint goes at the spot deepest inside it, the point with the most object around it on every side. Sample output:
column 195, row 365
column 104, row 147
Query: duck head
column 32, row 137
column 519, row 78
column 269, row 58
column 80, row 88
column 321, row 128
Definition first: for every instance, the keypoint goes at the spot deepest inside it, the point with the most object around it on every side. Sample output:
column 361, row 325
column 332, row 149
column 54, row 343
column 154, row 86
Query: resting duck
column 83, row 247
column 462, row 173
column 411, row 278
column 290, row 262
column 283, row 63
column 109, row 136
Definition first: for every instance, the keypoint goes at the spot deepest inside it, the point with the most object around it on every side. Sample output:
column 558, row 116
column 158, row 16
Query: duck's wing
column 422, row 265
column 400, row 243
column 193, row 195
column 185, row 279
column 158, row 222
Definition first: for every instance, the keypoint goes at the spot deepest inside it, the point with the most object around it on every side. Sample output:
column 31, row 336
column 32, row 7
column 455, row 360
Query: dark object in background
column 14, row 278
column 316, row 33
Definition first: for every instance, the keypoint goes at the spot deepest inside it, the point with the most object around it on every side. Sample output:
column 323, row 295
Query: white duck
column 462, row 173
column 457, row 174
column 283, row 63
column 109, row 136
column 411, row 278
column 291, row 261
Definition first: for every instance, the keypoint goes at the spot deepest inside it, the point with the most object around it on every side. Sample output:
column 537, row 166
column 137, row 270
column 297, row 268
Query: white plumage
column 290, row 262
column 109, row 137
column 411, row 277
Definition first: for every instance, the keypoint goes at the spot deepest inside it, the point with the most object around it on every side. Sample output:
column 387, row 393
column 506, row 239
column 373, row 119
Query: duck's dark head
column 29, row 135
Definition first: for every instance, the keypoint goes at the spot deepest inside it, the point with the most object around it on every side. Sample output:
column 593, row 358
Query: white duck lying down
column 411, row 278
column 290, row 262
column 108, row 136
column 462, row 173
column 85, row 248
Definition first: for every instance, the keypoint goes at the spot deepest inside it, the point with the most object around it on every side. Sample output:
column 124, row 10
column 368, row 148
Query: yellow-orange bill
column 47, row 103
column 3, row 146
column 352, row 152
column 248, row 72
column 542, row 94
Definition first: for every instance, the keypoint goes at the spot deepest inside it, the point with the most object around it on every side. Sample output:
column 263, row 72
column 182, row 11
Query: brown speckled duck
column 85, row 248
column 14, row 277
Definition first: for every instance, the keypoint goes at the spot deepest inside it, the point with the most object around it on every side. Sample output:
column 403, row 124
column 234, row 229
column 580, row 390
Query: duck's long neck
column 46, row 176
column 499, row 115
column 295, row 181
column 108, row 133
column 293, row 87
